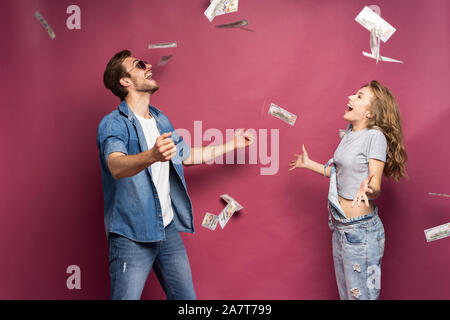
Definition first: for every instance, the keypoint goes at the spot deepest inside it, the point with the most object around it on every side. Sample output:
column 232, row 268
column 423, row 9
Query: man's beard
column 148, row 88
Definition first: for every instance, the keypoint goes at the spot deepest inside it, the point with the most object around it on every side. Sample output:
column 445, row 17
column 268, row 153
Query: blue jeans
column 357, row 252
column 130, row 263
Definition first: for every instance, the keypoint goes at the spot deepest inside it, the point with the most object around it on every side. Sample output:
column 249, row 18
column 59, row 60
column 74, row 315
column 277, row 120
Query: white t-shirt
column 160, row 170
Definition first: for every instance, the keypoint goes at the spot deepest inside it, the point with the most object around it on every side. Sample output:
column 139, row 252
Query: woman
column 372, row 145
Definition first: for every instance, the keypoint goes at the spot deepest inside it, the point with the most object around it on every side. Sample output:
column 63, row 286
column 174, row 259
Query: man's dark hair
column 114, row 72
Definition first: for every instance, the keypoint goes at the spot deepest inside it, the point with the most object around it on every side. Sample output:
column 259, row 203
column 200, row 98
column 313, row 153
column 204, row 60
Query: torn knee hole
column 357, row 268
column 355, row 293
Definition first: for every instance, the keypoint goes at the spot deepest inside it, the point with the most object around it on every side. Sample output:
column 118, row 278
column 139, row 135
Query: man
column 145, row 195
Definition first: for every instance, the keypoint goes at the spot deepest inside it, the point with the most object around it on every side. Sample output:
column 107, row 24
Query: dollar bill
column 439, row 194
column 370, row 20
column 45, row 25
column 164, row 60
column 282, row 114
column 229, row 200
column 219, row 7
column 226, row 214
column 162, row 45
column 210, row 221
column 237, row 24
column 379, row 30
column 438, row 232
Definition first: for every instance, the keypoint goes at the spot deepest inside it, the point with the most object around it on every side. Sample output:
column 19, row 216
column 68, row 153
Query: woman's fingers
column 366, row 200
column 360, row 196
column 359, row 199
column 354, row 200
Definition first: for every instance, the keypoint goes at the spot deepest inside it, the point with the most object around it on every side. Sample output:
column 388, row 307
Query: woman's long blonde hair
column 386, row 116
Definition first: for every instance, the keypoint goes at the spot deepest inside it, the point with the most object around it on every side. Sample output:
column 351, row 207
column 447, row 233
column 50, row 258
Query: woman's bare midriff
column 355, row 211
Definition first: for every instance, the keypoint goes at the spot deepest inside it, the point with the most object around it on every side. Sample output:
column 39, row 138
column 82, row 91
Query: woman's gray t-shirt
column 352, row 158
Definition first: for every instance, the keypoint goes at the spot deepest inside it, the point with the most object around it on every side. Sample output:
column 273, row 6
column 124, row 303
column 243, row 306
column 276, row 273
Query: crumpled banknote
column 219, row 7
column 380, row 30
column 210, row 221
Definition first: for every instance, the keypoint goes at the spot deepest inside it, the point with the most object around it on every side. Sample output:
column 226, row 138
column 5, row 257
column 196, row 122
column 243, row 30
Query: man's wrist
column 230, row 145
column 149, row 157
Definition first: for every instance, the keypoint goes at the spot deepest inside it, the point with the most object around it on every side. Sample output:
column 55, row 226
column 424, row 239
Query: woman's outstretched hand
column 362, row 192
column 300, row 161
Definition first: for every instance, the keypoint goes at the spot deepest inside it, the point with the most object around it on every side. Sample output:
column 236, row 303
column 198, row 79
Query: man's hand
column 201, row 155
column 242, row 139
column 164, row 148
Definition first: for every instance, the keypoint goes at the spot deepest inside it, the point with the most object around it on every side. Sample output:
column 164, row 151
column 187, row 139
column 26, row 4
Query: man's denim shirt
column 131, row 205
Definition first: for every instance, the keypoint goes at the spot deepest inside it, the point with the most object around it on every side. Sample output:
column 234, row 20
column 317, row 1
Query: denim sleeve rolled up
column 131, row 205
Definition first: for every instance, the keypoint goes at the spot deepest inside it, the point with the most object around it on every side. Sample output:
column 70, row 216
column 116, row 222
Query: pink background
column 304, row 56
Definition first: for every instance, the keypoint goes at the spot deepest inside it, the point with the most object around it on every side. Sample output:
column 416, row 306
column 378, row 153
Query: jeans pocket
column 355, row 237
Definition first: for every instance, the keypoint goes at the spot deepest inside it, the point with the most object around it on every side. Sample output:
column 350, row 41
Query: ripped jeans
column 130, row 263
column 358, row 247
column 357, row 252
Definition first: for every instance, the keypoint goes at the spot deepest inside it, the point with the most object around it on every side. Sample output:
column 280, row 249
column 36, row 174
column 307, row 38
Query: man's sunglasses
column 140, row 64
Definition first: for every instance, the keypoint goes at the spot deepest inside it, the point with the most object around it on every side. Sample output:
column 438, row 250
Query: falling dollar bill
column 439, row 194
column 282, row 114
column 219, row 7
column 210, row 221
column 45, row 25
column 226, row 214
column 162, row 45
column 164, row 60
column 237, row 24
column 379, row 29
column 438, row 232
column 228, row 200
column 370, row 20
